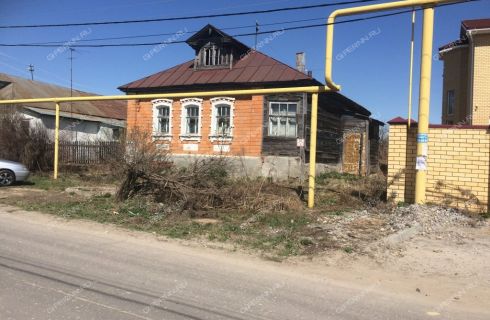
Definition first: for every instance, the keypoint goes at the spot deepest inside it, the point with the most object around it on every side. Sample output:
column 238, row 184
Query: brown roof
column 12, row 87
column 252, row 69
column 476, row 24
column 400, row 120
column 465, row 26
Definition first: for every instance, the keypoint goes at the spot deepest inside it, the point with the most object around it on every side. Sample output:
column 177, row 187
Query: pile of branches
column 204, row 184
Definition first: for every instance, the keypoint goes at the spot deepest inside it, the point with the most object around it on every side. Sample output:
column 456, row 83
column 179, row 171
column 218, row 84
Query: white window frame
column 215, row 102
column 269, row 118
column 183, row 114
column 157, row 104
column 449, row 101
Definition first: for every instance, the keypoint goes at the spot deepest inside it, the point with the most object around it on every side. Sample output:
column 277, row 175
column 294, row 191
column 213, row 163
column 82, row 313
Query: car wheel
column 7, row 177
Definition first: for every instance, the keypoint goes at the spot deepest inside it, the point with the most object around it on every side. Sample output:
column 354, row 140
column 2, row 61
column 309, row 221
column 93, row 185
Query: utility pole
column 256, row 33
column 71, row 71
column 71, row 88
column 30, row 68
column 410, row 81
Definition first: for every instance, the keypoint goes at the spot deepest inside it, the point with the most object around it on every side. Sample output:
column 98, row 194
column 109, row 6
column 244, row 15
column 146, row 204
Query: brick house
column 458, row 158
column 466, row 78
column 267, row 134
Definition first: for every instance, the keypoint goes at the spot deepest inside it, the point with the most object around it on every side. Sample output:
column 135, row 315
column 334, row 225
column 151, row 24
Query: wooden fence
column 88, row 152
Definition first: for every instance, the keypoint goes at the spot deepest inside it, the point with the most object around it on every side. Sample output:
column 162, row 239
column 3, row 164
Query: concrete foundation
column 274, row 167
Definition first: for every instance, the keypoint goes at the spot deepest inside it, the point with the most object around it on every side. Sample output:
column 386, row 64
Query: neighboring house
column 457, row 156
column 269, row 134
column 79, row 121
column 466, row 94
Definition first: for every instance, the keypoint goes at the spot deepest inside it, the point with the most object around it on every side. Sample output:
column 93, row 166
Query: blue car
column 11, row 172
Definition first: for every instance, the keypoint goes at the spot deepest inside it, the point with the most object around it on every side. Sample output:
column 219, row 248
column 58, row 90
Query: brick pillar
column 401, row 161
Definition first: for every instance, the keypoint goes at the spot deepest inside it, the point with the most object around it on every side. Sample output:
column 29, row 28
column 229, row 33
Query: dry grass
column 205, row 184
column 204, row 201
column 337, row 193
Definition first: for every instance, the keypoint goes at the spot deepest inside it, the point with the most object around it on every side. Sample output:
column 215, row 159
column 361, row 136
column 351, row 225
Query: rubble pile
column 429, row 218
column 365, row 230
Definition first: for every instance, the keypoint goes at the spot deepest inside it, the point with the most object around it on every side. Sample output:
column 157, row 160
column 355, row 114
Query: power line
column 173, row 33
column 231, row 14
column 238, row 35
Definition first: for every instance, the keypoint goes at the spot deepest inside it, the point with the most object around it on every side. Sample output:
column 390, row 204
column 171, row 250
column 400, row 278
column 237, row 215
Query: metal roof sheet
column 20, row 88
column 254, row 67
column 63, row 114
column 476, row 24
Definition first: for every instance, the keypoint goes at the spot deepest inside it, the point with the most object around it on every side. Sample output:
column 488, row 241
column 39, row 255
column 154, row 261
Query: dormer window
column 215, row 49
column 213, row 56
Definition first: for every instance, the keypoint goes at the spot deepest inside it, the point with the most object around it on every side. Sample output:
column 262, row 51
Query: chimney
column 300, row 62
column 310, row 73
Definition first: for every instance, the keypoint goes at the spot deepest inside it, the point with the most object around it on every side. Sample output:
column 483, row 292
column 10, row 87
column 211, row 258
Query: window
column 116, row 133
column 282, row 119
column 162, row 117
column 191, row 119
column 450, row 102
column 221, row 118
column 213, row 56
column 163, row 120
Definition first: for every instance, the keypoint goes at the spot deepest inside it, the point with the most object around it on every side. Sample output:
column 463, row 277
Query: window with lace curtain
column 282, row 119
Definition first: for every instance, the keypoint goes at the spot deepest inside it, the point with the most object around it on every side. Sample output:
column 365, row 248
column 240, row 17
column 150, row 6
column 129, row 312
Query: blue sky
column 375, row 74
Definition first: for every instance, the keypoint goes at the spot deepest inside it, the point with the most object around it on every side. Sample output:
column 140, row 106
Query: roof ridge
column 43, row 83
column 27, row 88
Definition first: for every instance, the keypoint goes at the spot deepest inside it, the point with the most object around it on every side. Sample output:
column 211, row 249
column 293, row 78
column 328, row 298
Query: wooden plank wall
column 333, row 123
column 283, row 146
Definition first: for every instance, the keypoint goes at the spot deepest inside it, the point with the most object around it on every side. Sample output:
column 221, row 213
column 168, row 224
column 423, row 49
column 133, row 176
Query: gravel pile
column 365, row 230
column 429, row 218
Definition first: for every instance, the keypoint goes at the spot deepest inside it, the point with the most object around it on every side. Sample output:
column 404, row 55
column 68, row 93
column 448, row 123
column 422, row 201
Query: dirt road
column 51, row 268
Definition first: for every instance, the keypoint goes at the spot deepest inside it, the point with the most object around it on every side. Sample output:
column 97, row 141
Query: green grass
column 401, row 204
column 279, row 234
column 348, row 250
column 333, row 175
column 46, row 182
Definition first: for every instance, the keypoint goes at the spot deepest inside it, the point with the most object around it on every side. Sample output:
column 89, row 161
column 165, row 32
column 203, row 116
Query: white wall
column 73, row 129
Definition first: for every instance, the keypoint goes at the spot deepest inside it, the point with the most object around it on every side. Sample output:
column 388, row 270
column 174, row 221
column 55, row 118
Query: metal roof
column 466, row 25
column 476, row 24
column 12, row 87
column 252, row 68
column 64, row 114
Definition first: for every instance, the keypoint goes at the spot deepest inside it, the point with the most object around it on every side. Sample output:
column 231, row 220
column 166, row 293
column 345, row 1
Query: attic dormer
column 215, row 49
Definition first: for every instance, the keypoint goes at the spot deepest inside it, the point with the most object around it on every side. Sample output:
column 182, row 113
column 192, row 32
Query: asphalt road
column 52, row 269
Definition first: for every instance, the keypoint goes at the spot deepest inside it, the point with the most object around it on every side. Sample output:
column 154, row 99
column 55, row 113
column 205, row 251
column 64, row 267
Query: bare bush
column 202, row 185
column 23, row 143
column 138, row 158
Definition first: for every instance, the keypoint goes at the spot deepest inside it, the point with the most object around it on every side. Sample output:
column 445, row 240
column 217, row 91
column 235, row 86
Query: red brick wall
column 247, row 126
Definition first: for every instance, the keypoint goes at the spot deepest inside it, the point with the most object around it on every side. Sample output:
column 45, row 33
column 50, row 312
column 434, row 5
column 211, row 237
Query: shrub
column 202, row 185
column 20, row 142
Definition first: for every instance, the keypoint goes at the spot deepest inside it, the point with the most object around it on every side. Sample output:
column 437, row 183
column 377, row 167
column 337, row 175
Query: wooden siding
column 283, row 146
column 329, row 138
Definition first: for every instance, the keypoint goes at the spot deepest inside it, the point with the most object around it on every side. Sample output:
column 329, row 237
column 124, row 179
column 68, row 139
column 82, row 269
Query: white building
column 80, row 121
